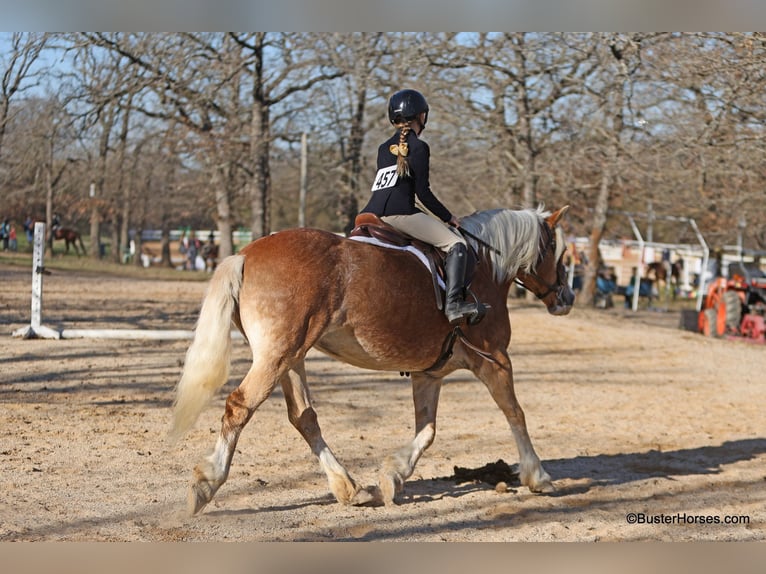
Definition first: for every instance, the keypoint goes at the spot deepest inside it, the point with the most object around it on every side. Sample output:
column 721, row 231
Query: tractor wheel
column 708, row 321
column 733, row 307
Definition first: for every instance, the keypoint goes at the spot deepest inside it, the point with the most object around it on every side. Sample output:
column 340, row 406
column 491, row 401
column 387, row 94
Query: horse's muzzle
column 564, row 301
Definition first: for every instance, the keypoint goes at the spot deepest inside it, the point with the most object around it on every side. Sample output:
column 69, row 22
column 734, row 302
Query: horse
column 71, row 237
column 374, row 308
column 209, row 253
column 666, row 275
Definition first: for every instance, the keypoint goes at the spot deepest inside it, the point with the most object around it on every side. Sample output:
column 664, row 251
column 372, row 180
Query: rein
column 457, row 333
column 480, row 241
column 548, row 244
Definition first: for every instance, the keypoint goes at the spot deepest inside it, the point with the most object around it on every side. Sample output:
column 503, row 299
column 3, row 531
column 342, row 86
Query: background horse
column 209, row 253
column 666, row 275
column 374, row 308
column 71, row 237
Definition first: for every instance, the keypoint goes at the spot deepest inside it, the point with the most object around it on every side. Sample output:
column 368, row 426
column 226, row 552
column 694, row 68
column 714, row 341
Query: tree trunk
column 597, row 231
column 614, row 99
column 97, row 193
column 525, row 136
column 220, row 183
column 49, row 208
column 260, row 185
column 355, row 143
column 122, row 213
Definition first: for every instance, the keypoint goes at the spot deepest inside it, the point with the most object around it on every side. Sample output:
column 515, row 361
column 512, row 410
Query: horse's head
column 548, row 280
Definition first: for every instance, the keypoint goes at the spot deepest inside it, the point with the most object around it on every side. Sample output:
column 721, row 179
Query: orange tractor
column 735, row 306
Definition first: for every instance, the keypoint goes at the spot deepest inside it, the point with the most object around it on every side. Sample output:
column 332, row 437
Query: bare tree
column 276, row 74
column 511, row 84
column 716, row 84
column 360, row 56
column 619, row 58
column 603, row 121
column 18, row 72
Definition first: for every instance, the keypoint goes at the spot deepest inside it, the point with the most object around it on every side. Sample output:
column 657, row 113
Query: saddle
column 370, row 225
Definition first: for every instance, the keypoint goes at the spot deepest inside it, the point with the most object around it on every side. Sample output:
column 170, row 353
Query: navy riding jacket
column 399, row 198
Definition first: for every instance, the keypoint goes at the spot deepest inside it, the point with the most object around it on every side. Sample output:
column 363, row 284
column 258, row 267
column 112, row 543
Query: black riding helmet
column 406, row 105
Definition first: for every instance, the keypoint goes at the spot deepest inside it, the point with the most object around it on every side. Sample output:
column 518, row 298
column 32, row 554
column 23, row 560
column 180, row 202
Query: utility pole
column 304, row 180
column 95, row 224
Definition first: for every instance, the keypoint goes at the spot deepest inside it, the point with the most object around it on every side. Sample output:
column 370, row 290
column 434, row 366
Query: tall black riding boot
column 457, row 308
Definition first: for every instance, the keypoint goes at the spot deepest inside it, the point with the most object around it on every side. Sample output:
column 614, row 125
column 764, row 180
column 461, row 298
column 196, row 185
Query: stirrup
column 481, row 310
column 473, row 313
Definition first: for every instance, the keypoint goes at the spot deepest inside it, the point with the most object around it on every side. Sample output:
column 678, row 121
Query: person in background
column 12, row 240
column 190, row 247
column 29, row 229
column 5, row 229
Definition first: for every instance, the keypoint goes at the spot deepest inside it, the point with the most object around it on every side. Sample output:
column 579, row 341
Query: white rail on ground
column 36, row 330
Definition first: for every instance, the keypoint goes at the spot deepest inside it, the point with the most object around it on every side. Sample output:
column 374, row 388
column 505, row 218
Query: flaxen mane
column 512, row 233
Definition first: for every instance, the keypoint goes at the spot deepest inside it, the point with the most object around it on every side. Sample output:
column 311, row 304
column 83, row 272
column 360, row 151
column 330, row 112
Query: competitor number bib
column 385, row 178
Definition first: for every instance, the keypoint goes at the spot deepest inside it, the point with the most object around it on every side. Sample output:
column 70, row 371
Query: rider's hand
column 454, row 222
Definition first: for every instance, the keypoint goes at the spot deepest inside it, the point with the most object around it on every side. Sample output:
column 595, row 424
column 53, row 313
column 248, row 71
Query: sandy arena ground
column 628, row 413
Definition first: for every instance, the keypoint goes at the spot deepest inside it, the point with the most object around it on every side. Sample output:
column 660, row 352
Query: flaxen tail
column 207, row 361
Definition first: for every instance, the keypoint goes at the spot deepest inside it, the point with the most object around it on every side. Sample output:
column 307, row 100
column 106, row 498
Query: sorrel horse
column 71, row 237
column 666, row 274
column 305, row 288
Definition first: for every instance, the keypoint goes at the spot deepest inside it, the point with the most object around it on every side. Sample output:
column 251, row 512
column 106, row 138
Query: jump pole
column 36, row 330
column 637, row 288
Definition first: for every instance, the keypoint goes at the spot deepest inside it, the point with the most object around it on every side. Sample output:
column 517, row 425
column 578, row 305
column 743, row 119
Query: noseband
column 548, row 243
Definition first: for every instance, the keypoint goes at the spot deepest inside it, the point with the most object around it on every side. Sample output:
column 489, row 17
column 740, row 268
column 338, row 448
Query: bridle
column 548, row 243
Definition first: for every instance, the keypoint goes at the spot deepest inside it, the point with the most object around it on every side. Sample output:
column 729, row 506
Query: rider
column 403, row 164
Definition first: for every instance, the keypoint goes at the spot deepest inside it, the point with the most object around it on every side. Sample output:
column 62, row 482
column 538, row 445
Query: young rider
column 403, row 166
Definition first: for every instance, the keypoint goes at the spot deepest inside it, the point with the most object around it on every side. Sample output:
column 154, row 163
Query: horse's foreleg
column 499, row 380
column 240, row 406
column 303, row 417
column 399, row 466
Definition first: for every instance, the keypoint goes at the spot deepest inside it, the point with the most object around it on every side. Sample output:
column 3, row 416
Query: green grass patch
column 102, row 267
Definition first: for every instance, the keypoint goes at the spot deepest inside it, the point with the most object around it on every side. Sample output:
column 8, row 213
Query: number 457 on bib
column 385, row 178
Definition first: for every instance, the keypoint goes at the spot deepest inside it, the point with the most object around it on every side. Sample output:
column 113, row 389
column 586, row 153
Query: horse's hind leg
column 240, row 406
column 499, row 380
column 303, row 417
column 400, row 465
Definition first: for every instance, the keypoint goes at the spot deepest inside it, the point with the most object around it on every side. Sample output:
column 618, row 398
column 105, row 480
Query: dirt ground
column 632, row 417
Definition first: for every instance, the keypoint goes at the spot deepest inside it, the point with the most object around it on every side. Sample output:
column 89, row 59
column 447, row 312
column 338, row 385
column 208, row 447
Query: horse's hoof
column 197, row 498
column 545, row 487
column 343, row 488
column 390, row 486
column 370, row 496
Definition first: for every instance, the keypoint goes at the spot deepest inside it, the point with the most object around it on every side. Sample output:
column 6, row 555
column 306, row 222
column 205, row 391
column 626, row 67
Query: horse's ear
column 554, row 217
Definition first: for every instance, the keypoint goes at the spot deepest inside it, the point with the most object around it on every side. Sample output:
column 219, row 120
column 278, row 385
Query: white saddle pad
column 416, row 252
